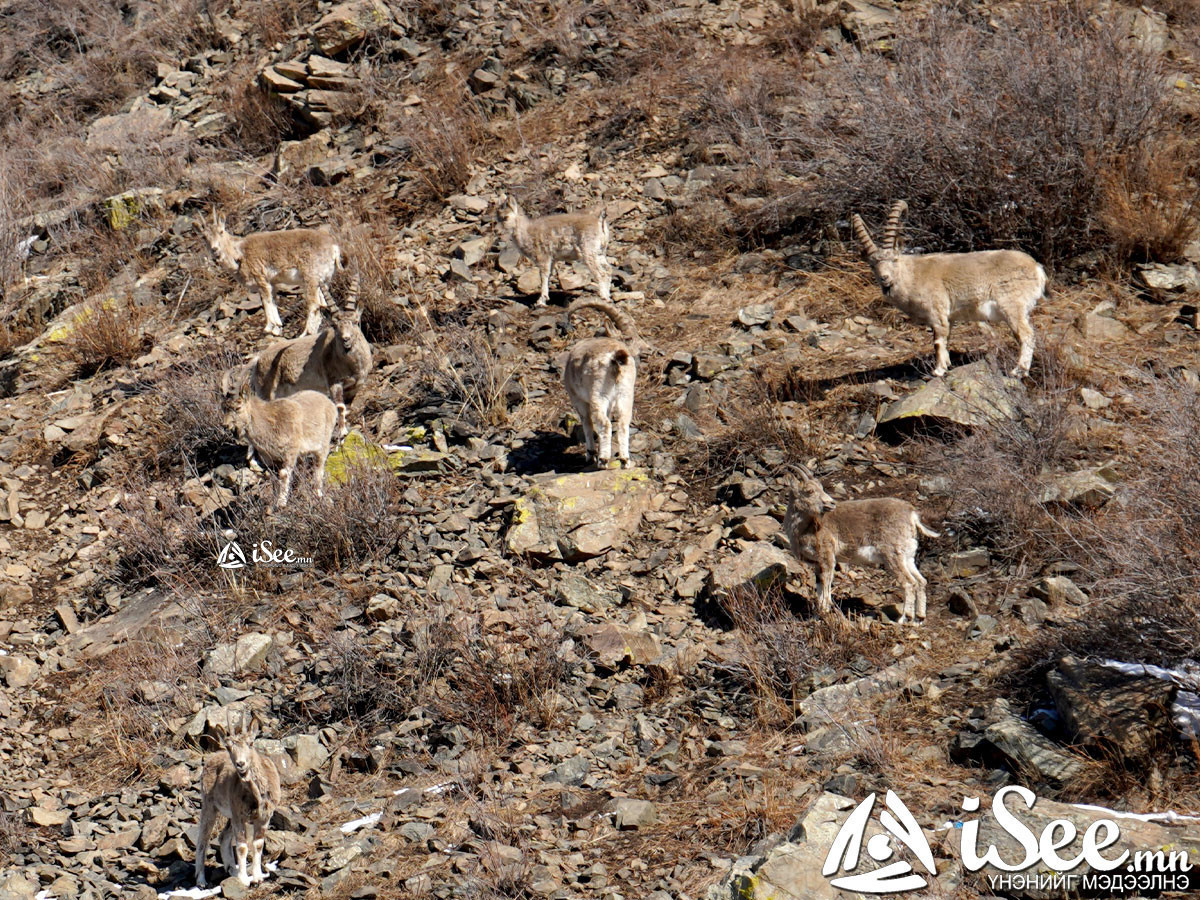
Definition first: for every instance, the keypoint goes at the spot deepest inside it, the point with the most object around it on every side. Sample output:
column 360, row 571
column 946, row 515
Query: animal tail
column 620, row 318
column 618, row 361
column 921, row 527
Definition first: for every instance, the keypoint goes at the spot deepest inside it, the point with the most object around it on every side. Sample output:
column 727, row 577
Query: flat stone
column 630, row 814
column 970, row 395
column 755, row 568
column 576, row 517
column 1028, row 749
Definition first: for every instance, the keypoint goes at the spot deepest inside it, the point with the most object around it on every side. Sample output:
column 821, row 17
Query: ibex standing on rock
column 240, row 783
column 305, row 258
column 599, row 377
column 879, row 532
column 566, row 236
column 936, row 289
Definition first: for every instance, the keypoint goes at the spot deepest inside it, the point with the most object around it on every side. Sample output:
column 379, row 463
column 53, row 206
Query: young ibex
column 936, row 289
column 281, row 431
column 599, row 376
column 879, row 532
column 305, row 258
column 566, row 237
column 243, row 785
column 337, row 355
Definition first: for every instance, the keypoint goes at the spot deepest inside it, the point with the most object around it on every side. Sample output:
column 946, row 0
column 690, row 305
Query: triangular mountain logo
column 899, row 825
column 231, row 556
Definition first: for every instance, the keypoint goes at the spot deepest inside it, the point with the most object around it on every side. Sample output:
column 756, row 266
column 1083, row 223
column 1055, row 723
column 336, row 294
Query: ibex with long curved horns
column 936, row 289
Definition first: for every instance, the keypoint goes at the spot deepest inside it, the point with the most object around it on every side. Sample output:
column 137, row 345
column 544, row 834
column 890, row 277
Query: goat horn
column 864, row 236
column 892, row 230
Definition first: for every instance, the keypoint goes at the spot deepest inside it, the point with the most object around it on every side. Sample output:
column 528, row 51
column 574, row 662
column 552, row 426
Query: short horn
column 892, row 230
column 864, row 236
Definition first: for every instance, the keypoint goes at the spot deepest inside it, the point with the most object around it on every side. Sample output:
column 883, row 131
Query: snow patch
column 359, row 823
column 1185, row 711
column 193, row 892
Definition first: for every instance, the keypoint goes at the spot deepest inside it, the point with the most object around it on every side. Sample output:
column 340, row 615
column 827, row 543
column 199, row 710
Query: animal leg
column 547, row 269
column 285, row 475
column 243, row 851
column 624, row 414
column 260, row 842
column 585, row 424
column 826, row 566
column 207, row 815
column 602, row 426
column 601, row 271
column 921, row 583
column 895, row 564
column 1023, row 328
column 320, row 473
column 312, row 323
column 941, row 338
column 270, row 310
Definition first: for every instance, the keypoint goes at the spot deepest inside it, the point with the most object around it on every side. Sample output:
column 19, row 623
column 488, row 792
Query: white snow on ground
column 373, row 818
column 193, row 892
column 1185, row 712
column 1166, row 818
column 359, row 823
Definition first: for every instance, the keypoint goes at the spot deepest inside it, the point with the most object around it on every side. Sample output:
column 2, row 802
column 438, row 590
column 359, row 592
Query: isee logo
column 1141, row 870
column 231, row 556
column 897, row 876
column 262, row 553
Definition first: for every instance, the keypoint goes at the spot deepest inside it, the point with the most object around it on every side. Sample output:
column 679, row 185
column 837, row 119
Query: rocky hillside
column 483, row 668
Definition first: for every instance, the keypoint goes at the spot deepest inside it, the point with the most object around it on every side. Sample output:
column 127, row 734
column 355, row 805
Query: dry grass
column 105, row 335
column 462, row 369
column 1149, row 203
column 779, row 652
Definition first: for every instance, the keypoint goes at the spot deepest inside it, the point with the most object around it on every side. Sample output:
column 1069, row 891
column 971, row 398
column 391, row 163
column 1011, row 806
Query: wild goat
column 281, row 431
column 566, row 236
column 243, row 785
column 337, row 355
column 305, row 258
column 936, row 289
column 599, row 376
column 879, row 532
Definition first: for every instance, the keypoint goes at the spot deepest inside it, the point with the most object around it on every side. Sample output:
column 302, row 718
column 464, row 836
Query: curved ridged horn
column 891, row 231
column 864, row 236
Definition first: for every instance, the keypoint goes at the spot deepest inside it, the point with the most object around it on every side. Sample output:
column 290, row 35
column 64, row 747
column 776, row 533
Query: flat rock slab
column 756, row 567
column 970, row 395
column 1030, row 751
column 577, row 517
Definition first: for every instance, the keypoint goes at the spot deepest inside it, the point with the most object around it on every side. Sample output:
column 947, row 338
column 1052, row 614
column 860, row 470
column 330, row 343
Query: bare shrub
column 755, row 433
column 360, row 519
column 1149, row 205
column 997, row 131
column 445, row 135
column 994, row 472
column 460, row 367
column 778, row 652
column 384, row 321
column 1147, row 545
column 258, row 120
column 188, row 427
column 104, row 335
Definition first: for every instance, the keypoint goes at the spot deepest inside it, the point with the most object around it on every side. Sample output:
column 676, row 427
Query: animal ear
column 244, row 393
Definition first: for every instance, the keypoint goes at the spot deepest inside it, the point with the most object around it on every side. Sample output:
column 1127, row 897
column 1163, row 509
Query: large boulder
column 756, row 567
column 1028, row 750
column 970, row 395
column 576, row 517
column 1112, row 711
column 349, row 23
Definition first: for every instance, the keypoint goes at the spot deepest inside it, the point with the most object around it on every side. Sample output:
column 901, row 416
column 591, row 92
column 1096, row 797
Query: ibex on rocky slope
column 599, row 377
column 565, row 236
column 305, row 258
column 936, row 289
column 240, row 783
column 878, row 532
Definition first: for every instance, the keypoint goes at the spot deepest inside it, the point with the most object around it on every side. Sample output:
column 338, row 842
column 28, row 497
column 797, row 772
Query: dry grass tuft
column 105, row 335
